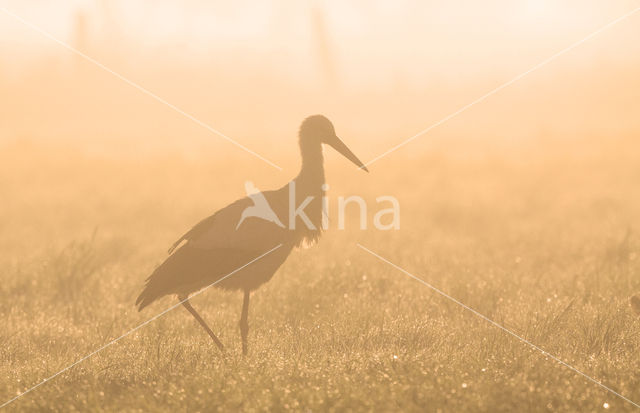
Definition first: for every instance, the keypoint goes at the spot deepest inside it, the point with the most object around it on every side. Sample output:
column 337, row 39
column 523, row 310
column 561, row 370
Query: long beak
column 339, row 146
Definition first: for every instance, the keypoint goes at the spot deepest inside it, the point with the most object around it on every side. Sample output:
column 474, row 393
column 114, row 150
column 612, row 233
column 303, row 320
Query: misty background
column 382, row 71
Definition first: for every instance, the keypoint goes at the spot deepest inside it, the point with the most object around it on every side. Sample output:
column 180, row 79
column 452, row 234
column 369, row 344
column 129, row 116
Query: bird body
column 225, row 242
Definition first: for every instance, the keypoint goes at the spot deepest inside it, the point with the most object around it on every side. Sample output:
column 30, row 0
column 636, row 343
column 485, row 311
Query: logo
column 260, row 208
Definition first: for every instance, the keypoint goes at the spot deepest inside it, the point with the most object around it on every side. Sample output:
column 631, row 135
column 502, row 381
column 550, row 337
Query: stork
column 218, row 245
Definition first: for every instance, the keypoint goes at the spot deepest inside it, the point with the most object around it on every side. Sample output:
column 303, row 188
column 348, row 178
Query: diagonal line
column 504, row 85
column 135, row 329
column 487, row 319
column 137, row 86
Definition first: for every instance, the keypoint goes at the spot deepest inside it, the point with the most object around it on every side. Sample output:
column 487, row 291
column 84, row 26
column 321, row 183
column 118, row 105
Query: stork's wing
column 219, row 230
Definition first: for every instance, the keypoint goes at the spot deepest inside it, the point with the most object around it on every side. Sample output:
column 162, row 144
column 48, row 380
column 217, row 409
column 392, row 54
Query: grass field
column 546, row 245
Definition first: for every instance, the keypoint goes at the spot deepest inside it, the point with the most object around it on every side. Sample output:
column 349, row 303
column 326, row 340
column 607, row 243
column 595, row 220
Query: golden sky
column 381, row 70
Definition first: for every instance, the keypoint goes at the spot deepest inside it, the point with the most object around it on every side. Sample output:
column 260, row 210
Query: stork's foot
column 244, row 323
column 244, row 332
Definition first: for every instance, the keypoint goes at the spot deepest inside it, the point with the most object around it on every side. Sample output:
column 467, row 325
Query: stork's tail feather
column 150, row 293
column 159, row 284
column 167, row 279
column 144, row 299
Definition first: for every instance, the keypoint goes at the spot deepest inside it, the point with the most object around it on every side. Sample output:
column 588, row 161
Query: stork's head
column 317, row 129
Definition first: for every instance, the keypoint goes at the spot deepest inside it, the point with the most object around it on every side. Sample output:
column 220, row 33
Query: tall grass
column 549, row 248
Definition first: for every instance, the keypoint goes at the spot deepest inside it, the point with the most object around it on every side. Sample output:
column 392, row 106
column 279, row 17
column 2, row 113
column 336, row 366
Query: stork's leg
column 194, row 313
column 244, row 322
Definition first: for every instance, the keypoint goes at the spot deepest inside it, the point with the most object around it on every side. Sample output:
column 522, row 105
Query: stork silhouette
column 218, row 245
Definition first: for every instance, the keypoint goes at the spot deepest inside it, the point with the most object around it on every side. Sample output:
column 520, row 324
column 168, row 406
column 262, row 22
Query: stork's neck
column 310, row 183
column 312, row 162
